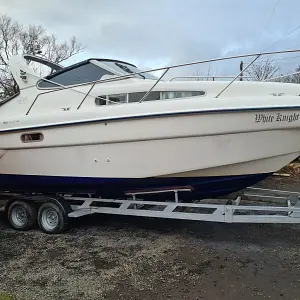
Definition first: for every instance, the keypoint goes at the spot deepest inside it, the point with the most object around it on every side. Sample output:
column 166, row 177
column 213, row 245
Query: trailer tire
column 52, row 218
column 22, row 215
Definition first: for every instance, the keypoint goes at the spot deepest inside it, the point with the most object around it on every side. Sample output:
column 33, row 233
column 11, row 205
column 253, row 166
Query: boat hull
column 202, row 187
column 216, row 154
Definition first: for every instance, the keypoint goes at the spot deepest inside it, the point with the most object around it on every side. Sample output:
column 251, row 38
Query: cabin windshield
column 122, row 68
column 80, row 74
column 90, row 71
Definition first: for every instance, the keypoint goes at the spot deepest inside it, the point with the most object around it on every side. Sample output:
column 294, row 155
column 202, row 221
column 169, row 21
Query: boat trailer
column 53, row 212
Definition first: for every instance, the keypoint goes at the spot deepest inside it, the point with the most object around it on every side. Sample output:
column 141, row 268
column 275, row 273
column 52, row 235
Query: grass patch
column 7, row 296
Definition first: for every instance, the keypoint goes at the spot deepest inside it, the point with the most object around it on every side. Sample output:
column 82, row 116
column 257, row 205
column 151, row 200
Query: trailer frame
column 53, row 212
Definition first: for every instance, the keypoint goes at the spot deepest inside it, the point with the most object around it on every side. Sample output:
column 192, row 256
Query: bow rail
column 166, row 69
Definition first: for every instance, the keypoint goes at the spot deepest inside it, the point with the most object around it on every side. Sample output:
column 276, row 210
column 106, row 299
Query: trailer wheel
column 21, row 215
column 52, row 218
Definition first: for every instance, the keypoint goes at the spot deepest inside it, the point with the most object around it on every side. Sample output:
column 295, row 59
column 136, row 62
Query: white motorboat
column 103, row 126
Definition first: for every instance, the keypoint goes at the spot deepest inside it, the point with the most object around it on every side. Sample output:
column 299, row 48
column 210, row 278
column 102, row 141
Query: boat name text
column 278, row 117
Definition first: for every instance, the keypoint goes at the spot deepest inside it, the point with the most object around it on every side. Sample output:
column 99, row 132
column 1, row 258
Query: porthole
column 32, row 137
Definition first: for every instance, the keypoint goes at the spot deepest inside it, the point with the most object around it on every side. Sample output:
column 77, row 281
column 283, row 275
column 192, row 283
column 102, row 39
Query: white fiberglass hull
column 257, row 152
column 213, row 153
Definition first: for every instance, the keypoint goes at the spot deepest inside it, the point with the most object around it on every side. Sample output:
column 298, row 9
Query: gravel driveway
column 113, row 257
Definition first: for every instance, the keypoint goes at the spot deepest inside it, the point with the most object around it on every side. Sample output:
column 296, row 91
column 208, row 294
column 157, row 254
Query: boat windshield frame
column 52, row 65
column 113, row 67
column 122, row 68
column 103, row 63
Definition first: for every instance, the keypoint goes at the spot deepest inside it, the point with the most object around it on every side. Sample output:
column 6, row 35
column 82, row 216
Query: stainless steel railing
column 166, row 69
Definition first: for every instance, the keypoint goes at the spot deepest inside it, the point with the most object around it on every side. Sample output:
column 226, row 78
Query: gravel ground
column 113, row 257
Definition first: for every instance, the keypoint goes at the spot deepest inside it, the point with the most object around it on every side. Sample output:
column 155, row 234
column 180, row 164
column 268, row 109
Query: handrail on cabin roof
column 207, row 77
column 257, row 55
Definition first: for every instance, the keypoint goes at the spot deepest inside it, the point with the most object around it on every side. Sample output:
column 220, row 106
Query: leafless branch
column 262, row 70
column 16, row 39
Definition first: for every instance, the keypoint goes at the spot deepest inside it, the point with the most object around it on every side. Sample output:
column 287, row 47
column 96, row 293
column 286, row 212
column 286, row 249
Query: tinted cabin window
column 155, row 95
column 111, row 99
column 135, row 97
column 81, row 74
column 179, row 94
column 117, row 99
column 101, row 100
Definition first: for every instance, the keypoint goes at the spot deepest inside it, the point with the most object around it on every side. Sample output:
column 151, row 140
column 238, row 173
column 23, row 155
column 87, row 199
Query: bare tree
column 200, row 76
column 17, row 39
column 292, row 78
column 263, row 70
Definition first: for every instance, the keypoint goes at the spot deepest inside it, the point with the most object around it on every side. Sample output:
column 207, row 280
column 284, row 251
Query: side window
column 113, row 99
column 198, row 93
column 155, row 95
column 117, row 99
column 135, row 97
column 81, row 74
column 100, row 100
column 177, row 94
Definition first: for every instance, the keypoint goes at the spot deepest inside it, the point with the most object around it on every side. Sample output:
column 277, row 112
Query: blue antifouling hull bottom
column 203, row 187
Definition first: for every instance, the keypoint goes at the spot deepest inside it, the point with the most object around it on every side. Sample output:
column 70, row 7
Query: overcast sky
column 160, row 32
